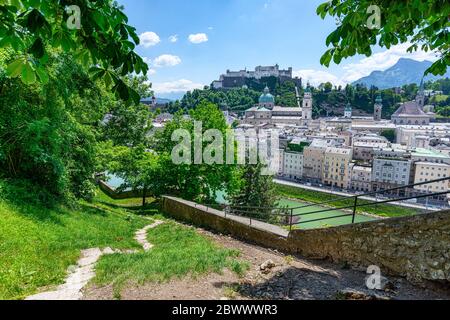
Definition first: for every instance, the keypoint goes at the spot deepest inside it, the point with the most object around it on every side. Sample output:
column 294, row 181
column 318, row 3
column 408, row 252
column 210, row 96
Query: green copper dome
column 348, row 107
column 266, row 97
column 379, row 100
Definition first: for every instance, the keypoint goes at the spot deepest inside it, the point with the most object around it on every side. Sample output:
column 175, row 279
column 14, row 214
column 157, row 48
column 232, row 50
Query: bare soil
column 292, row 278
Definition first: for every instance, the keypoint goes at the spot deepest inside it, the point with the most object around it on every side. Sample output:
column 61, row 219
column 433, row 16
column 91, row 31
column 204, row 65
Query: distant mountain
column 406, row 71
column 158, row 100
column 163, row 100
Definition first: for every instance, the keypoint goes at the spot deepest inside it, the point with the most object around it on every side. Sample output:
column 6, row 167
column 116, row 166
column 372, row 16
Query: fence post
column 354, row 209
column 291, row 220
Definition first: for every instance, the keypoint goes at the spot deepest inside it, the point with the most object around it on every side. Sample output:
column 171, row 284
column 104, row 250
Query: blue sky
column 189, row 43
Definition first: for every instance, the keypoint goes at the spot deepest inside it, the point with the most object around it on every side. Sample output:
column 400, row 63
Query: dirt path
column 80, row 275
column 288, row 278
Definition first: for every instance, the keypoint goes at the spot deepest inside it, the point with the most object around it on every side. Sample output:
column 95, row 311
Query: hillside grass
column 178, row 251
column 38, row 244
column 102, row 197
column 309, row 196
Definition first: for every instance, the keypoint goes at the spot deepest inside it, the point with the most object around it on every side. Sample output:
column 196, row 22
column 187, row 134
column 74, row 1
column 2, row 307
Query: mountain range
column 158, row 100
column 405, row 71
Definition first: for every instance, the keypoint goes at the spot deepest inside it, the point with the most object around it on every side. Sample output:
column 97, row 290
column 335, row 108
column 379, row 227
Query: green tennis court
column 324, row 223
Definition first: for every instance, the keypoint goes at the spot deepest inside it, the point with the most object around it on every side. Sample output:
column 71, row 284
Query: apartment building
column 336, row 167
column 364, row 151
column 293, row 165
column 361, row 178
column 280, row 162
column 365, row 144
column 429, row 155
column 388, row 173
column 314, row 156
column 429, row 171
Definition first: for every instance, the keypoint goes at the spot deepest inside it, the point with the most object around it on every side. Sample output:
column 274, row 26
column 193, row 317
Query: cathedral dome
column 266, row 97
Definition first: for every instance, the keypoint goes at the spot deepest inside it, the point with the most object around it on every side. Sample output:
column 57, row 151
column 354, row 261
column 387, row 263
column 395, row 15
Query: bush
column 23, row 192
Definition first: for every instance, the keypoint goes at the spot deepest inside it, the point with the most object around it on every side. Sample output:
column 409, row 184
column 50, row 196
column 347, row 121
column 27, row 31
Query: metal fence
column 288, row 218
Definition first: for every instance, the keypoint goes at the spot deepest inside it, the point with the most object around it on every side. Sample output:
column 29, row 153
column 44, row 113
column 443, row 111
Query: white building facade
column 293, row 165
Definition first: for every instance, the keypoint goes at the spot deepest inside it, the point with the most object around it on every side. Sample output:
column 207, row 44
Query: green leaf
column 42, row 74
column 15, row 68
column 28, row 74
column 37, row 49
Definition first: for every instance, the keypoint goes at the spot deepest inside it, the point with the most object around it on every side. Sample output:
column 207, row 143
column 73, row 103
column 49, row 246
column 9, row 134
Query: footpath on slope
column 80, row 275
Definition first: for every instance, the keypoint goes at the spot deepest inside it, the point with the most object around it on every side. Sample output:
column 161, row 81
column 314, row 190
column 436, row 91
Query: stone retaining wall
column 417, row 247
column 113, row 194
column 215, row 220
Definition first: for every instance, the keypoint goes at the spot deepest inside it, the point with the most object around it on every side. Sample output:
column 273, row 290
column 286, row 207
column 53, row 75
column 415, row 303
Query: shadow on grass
column 91, row 209
column 148, row 210
column 40, row 213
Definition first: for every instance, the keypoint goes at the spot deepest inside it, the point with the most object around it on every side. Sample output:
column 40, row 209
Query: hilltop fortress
column 237, row 79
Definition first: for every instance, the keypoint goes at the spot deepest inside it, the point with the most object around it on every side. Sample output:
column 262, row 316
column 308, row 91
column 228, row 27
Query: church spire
column 420, row 98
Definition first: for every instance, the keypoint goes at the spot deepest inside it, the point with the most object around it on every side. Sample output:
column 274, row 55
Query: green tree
column 129, row 124
column 255, row 190
column 44, row 139
column 389, row 134
column 199, row 182
column 139, row 168
column 424, row 24
column 102, row 40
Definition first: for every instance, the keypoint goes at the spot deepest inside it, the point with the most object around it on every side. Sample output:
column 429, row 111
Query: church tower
column 348, row 111
column 307, row 105
column 378, row 109
column 420, row 98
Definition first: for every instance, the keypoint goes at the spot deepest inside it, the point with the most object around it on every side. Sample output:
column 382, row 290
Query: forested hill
column 328, row 100
column 239, row 99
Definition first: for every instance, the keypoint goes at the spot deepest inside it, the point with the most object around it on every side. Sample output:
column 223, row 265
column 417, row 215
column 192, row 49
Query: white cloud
column 354, row 71
column 148, row 61
column 173, row 38
column 210, row 28
column 181, row 85
column 149, row 39
column 198, row 38
column 382, row 61
column 317, row 77
column 166, row 60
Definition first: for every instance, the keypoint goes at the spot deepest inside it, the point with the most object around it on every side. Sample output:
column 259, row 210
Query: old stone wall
column 417, row 247
column 216, row 220
column 113, row 194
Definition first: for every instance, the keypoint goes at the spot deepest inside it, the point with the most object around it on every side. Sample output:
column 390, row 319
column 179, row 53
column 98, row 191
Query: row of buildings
column 328, row 162
column 353, row 153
